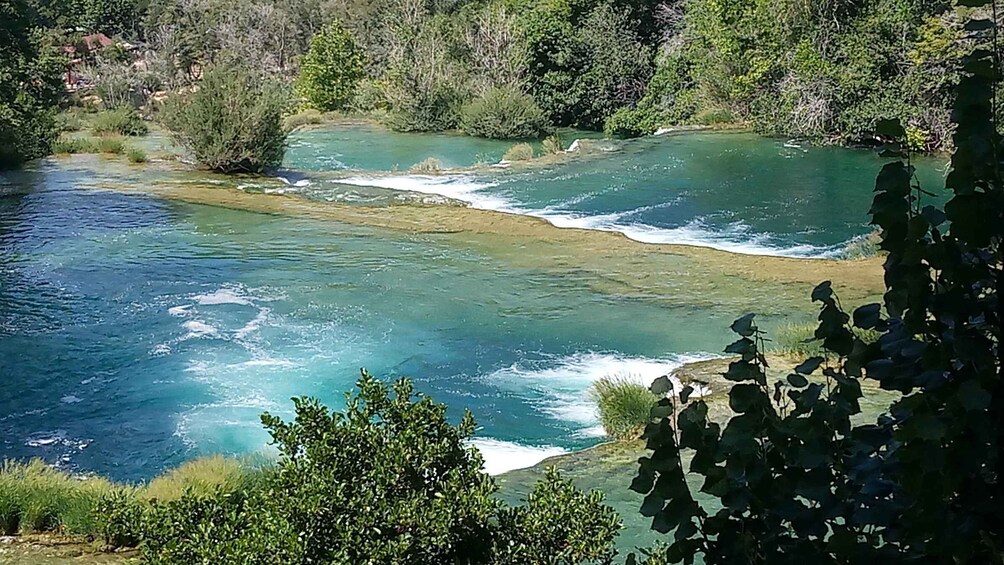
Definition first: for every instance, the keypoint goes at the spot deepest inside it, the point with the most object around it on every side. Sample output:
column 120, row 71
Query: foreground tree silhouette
column 796, row 481
column 387, row 480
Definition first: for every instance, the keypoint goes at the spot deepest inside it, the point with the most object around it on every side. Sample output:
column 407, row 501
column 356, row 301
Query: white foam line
column 564, row 382
column 502, row 456
column 735, row 239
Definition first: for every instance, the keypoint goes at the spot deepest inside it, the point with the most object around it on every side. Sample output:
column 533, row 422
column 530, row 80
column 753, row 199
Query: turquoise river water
column 138, row 332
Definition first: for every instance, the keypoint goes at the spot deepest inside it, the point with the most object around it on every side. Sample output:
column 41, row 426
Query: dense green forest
column 825, row 71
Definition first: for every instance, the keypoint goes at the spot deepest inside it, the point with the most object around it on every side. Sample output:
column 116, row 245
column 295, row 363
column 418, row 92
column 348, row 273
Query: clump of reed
column 74, row 145
column 519, row 152
column 111, row 145
column 552, row 145
column 35, row 497
column 624, row 404
column 136, row 155
column 799, row 340
column 430, row 165
column 862, row 247
column 204, row 476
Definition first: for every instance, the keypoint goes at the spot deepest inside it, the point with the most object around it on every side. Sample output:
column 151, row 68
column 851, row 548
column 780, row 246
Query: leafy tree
column 233, row 122
column 795, row 479
column 426, row 84
column 331, row 69
column 387, row 480
column 587, row 59
column 29, row 87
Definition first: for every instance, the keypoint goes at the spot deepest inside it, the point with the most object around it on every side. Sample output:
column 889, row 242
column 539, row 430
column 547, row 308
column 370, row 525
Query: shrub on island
column 519, row 152
column 232, row 123
column 124, row 120
column 504, row 113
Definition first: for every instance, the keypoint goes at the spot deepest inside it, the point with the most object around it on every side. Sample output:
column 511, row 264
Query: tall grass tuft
column 862, row 247
column 519, row 152
column 624, row 404
column 203, row 476
column 75, row 145
column 35, row 497
column 553, row 145
column 136, row 155
column 111, row 145
column 799, row 340
column 430, row 165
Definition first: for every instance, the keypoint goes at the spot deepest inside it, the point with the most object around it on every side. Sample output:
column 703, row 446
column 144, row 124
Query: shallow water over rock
column 150, row 314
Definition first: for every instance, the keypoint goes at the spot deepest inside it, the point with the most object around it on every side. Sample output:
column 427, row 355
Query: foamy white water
column 501, row 456
column 457, row 187
column 737, row 238
column 561, row 385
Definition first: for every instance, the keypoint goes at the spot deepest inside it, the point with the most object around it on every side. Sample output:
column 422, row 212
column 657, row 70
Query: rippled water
column 731, row 191
column 138, row 332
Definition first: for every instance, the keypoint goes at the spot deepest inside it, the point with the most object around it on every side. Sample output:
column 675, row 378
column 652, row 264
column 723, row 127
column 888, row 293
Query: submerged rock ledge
column 608, row 262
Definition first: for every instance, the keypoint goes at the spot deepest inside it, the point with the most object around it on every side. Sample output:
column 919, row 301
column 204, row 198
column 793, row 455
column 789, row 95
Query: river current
column 137, row 331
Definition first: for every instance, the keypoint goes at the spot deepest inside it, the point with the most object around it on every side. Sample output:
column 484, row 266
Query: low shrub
column 69, row 120
column 427, row 110
column 430, row 165
column 123, row 120
column 504, row 113
column 387, row 480
column 233, row 122
column 519, row 152
column 75, row 145
column 121, row 519
column 714, row 117
column 634, row 122
column 307, row 117
column 111, row 145
column 624, row 404
column 136, row 155
column 549, row 528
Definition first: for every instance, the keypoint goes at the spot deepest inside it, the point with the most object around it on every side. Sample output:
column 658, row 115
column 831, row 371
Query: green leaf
column 662, row 386
column 890, row 128
column 744, row 325
column 685, row 394
column 740, row 371
column 809, row 366
column 745, row 397
column 823, row 292
column 744, row 347
column 797, row 381
column 974, row 397
column 868, row 316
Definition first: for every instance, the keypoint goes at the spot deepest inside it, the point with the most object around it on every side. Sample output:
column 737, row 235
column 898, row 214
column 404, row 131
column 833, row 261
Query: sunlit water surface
column 137, row 333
